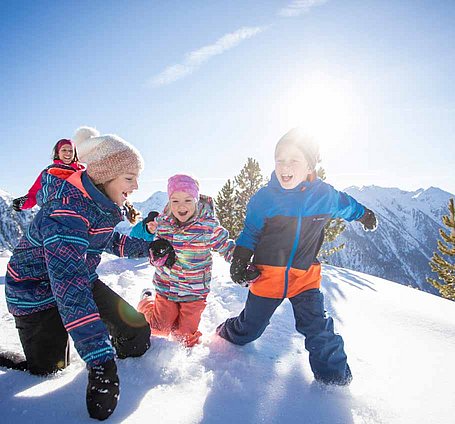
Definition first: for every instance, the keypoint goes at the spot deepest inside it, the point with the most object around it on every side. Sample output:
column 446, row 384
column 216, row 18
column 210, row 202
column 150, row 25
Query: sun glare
column 322, row 106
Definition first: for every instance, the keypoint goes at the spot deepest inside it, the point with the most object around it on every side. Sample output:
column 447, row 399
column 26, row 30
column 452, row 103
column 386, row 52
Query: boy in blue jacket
column 284, row 230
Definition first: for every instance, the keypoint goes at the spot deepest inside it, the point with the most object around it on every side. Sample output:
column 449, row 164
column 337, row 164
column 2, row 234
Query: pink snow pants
column 180, row 319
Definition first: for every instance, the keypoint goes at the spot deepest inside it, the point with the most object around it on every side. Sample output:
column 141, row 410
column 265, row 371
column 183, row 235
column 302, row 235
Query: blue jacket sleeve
column 65, row 242
column 139, row 231
column 254, row 223
column 123, row 246
column 345, row 206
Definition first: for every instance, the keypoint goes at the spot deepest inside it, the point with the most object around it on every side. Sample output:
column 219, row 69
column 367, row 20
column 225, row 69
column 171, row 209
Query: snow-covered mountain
column 12, row 223
column 401, row 247
column 399, row 343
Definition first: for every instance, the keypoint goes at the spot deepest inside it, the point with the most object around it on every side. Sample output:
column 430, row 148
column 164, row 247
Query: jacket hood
column 61, row 181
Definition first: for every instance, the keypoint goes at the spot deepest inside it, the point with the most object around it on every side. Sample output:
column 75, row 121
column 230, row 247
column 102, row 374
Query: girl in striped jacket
column 188, row 224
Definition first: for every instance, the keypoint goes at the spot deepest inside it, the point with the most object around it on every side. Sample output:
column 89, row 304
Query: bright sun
column 322, row 106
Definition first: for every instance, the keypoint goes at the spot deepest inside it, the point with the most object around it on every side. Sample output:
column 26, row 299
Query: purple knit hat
column 185, row 183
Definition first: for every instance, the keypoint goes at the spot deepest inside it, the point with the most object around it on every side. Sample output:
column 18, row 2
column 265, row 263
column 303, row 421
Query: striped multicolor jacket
column 55, row 262
column 189, row 278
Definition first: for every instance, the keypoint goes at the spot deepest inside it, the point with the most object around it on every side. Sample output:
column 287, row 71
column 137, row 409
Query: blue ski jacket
column 285, row 230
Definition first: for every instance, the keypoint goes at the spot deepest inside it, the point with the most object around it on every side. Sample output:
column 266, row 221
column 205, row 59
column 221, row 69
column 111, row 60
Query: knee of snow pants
column 128, row 328
column 251, row 322
column 327, row 356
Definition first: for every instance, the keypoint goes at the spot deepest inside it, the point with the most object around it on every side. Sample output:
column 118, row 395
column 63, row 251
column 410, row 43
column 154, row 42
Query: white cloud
column 196, row 58
column 299, row 7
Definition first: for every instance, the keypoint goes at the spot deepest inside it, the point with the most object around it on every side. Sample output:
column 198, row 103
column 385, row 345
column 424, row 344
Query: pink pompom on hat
column 184, row 183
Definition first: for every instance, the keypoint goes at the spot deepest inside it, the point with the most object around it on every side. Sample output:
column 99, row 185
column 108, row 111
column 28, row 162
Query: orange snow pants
column 180, row 319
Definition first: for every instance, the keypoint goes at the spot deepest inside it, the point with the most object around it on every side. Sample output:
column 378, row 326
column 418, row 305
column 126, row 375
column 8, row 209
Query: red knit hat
column 62, row 142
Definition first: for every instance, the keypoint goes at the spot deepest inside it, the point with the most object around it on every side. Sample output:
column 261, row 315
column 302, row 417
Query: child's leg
column 128, row 328
column 251, row 322
column 44, row 341
column 188, row 321
column 161, row 314
column 327, row 357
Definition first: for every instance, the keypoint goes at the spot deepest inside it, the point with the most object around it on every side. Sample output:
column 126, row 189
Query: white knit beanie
column 106, row 156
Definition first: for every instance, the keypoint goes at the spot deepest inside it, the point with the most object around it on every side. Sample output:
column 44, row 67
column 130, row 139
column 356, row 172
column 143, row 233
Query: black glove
column 368, row 220
column 103, row 390
column 161, row 253
column 151, row 217
column 18, row 203
column 243, row 272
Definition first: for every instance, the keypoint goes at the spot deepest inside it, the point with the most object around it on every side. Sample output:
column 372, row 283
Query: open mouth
column 286, row 178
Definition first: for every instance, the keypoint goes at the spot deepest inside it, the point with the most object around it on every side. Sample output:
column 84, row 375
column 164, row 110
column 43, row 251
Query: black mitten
column 161, row 253
column 368, row 220
column 243, row 272
column 18, row 203
column 103, row 390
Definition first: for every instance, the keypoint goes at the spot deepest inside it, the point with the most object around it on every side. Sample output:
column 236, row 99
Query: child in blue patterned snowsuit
column 52, row 287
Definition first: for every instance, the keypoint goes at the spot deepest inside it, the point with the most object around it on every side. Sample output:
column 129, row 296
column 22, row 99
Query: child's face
column 121, row 187
column 291, row 167
column 183, row 205
column 66, row 154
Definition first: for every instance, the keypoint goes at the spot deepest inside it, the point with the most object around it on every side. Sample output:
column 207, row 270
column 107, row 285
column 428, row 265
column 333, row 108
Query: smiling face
column 291, row 167
column 66, row 154
column 121, row 187
column 183, row 205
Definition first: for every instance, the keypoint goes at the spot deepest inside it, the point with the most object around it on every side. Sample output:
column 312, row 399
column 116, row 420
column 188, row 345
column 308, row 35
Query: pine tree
column 248, row 182
column 445, row 267
column 226, row 208
column 332, row 230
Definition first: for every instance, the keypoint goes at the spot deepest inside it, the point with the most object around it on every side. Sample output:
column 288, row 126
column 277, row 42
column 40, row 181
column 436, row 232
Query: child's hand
column 368, row 220
column 243, row 272
column 161, row 253
column 150, row 222
column 151, row 226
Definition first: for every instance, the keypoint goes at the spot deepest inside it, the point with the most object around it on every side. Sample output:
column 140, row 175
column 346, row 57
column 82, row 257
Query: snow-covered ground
column 400, row 344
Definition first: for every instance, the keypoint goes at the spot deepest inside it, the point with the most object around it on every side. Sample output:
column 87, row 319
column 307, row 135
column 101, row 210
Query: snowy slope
column 399, row 341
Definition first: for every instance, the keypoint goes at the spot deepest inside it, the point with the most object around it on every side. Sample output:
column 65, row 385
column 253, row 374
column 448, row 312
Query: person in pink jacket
column 187, row 232
column 63, row 153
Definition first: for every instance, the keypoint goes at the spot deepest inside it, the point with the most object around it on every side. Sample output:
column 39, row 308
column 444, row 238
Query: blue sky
column 200, row 86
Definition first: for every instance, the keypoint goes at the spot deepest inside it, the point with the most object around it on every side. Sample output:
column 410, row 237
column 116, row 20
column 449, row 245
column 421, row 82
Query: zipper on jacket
column 291, row 256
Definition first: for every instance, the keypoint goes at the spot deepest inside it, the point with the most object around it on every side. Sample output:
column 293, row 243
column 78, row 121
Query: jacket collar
column 98, row 197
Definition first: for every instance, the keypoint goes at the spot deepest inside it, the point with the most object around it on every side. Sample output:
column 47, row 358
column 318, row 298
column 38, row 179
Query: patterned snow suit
column 52, row 287
column 285, row 230
column 33, row 190
column 182, row 290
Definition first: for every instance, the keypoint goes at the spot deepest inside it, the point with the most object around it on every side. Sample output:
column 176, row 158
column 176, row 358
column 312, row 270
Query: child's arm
column 123, row 246
column 254, row 223
column 348, row 208
column 221, row 243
